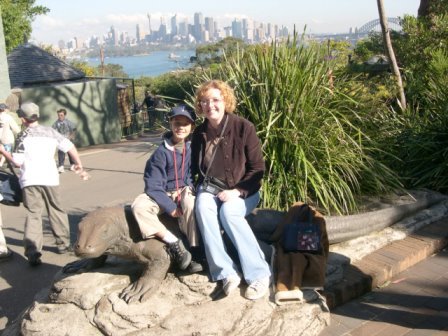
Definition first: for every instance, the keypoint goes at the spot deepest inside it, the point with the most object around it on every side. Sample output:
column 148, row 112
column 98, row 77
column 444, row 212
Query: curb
column 380, row 266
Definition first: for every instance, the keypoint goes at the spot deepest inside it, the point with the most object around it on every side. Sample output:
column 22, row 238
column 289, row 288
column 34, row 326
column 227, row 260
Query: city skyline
column 84, row 19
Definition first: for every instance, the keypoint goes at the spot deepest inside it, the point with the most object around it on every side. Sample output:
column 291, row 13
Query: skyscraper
column 210, row 27
column 137, row 33
column 114, row 36
column 183, row 28
column 198, row 26
column 174, row 29
column 149, row 24
column 237, row 29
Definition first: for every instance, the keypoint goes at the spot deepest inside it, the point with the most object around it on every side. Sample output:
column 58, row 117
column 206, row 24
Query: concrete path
column 117, row 177
column 412, row 303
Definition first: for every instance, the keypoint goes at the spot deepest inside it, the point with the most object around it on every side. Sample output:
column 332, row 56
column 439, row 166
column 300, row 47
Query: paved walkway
column 117, row 172
column 412, row 303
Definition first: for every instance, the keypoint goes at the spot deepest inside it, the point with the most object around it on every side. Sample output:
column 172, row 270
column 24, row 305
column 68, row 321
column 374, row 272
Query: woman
column 227, row 152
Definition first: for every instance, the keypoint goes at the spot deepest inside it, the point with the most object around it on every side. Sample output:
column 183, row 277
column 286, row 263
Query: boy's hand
column 176, row 213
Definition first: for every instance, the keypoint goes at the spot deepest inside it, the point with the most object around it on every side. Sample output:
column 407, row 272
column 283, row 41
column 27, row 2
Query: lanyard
column 182, row 172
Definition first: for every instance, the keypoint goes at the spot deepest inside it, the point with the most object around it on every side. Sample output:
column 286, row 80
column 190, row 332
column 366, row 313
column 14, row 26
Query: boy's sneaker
column 194, row 267
column 61, row 169
column 179, row 254
column 34, row 259
column 230, row 283
column 257, row 289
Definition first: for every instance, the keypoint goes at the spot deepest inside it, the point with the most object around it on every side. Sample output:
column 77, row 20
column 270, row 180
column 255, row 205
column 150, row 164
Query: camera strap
column 214, row 150
column 182, row 172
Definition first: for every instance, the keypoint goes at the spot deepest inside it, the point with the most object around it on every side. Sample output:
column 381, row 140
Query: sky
column 84, row 18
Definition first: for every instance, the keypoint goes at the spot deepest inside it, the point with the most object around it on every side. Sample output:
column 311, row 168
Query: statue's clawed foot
column 84, row 265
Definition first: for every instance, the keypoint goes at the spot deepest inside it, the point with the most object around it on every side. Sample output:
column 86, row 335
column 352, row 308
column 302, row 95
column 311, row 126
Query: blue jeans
column 212, row 215
column 61, row 158
column 8, row 147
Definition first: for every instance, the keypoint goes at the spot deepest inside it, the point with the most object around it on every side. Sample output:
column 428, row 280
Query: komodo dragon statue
column 114, row 231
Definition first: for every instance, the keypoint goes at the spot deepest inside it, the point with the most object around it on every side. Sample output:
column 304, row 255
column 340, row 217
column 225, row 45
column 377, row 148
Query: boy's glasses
column 213, row 101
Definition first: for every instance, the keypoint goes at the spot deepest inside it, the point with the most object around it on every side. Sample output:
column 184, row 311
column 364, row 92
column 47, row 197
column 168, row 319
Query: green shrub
column 311, row 135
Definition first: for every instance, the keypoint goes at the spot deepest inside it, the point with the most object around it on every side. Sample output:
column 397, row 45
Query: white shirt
column 35, row 155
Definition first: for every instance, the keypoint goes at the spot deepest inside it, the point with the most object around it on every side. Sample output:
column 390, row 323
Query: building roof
column 30, row 65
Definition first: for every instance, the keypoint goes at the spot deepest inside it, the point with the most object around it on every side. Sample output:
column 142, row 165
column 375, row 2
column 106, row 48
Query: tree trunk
column 391, row 53
column 423, row 9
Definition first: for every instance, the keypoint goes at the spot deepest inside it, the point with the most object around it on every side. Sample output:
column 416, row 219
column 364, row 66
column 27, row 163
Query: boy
column 39, row 179
column 168, row 188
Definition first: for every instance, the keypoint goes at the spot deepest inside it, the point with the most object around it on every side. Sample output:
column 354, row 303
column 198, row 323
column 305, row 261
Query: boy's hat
column 28, row 111
column 182, row 110
column 3, row 106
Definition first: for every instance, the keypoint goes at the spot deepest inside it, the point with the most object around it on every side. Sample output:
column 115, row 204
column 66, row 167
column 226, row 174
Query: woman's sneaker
column 230, row 283
column 257, row 289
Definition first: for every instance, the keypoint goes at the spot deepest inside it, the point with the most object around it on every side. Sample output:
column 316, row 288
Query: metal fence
column 145, row 121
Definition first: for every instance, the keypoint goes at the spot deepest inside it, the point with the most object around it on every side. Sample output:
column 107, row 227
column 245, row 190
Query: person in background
column 228, row 164
column 5, row 253
column 149, row 102
column 68, row 129
column 8, row 128
column 168, row 189
column 39, row 179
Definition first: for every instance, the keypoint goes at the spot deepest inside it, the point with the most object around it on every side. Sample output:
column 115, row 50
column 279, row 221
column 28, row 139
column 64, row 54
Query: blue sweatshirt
column 159, row 175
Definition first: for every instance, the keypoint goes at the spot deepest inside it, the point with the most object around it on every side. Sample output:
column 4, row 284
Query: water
column 154, row 64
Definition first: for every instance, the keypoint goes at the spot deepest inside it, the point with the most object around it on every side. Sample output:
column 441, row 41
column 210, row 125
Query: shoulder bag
column 302, row 235
column 10, row 188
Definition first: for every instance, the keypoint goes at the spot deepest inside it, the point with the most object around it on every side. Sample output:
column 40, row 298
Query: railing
column 142, row 121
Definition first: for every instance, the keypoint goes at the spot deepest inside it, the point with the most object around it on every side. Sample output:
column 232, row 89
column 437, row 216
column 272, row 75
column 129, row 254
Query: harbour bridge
column 374, row 25
column 353, row 35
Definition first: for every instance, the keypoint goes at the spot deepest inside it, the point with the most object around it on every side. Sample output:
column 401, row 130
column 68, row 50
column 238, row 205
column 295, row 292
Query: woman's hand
column 226, row 195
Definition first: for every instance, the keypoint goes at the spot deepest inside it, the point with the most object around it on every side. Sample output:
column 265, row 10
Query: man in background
column 149, row 102
column 68, row 130
column 8, row 128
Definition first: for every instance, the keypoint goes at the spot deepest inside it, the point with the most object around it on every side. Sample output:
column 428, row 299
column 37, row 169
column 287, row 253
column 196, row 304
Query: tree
column 430, row 8
column 423, row 9
column 214, row 53
column 390, row 52
column 17, row 16
column 84, row 67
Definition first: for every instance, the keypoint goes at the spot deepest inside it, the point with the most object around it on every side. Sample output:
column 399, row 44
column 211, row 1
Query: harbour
column 149, row 65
